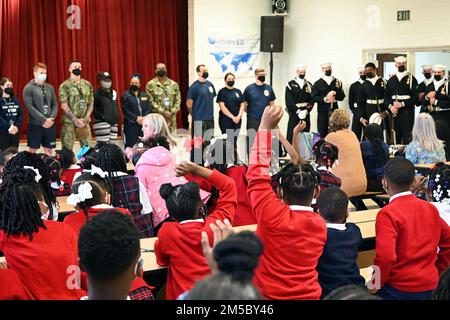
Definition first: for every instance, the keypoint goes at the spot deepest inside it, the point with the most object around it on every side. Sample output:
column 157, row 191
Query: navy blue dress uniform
column 321, row 88
column 440, row 109
column 298, row 98
column 353, row 94
column 426, row 71
column 371, row 98
column 134, row 106
column 402, row 87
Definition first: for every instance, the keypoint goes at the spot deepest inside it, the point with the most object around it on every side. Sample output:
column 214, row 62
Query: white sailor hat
column 439, row 67
column 301, row 67
column 400, row 59
column 326, row 64
column 426, row 67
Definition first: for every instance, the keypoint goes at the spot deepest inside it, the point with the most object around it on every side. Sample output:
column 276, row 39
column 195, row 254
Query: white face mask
column 106, row 85
column 42, row 77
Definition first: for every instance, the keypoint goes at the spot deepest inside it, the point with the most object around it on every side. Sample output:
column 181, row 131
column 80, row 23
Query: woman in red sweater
column 413, row 242
column 179, row 243
column 91, row 196
column 40, row 252
column 292, row 234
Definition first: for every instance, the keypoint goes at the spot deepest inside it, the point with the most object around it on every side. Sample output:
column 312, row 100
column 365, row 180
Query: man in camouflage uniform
column 165, row 96
column 77, row 102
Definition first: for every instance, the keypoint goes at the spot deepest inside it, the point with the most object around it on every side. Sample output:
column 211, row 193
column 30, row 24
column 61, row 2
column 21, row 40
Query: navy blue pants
column 390, row 293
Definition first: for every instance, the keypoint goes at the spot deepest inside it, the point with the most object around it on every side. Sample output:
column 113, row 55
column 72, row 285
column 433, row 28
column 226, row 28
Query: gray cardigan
column 34, row 101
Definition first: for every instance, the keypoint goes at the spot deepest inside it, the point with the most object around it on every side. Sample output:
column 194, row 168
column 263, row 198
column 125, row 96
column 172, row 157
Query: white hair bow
column 100, row 172
column 38, row 177
column 84, row 193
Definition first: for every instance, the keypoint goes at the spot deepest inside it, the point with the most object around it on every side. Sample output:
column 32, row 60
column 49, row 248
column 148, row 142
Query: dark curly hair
column 66, row 157
column 108, row 245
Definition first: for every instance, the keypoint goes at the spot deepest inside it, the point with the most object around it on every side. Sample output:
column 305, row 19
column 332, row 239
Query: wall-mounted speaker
column 272, row 33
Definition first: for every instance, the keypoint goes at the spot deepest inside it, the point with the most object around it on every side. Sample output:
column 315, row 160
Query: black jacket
column 135, row 106
column 106, row 107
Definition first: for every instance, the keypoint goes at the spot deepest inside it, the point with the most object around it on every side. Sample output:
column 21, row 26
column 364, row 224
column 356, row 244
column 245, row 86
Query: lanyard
column 139, row 104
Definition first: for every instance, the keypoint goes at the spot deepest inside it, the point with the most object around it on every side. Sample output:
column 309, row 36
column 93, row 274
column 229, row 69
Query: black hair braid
column 65, row 156
column 298, row 181
column 238, row 255
column 111, row 159
column 20, row 213
column 325, row 152
column 54, row 167
column 374, row 134
column 25, row 158
column 88, row 159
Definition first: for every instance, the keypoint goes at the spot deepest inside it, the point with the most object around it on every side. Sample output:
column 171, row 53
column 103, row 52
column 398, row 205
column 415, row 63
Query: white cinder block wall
column 326, row 30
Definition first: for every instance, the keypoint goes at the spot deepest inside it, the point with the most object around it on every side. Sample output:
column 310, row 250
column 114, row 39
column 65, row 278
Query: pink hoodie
column 155, row 168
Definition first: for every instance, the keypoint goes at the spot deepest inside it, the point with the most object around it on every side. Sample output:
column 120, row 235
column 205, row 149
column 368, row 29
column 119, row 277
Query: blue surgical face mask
column 42, row 77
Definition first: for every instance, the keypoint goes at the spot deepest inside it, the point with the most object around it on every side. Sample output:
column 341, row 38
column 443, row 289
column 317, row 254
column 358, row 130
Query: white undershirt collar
column 337, row 226
column 401, row 194
column 301, row 208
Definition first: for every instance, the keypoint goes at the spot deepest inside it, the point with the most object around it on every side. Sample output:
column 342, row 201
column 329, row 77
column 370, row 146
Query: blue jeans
column 390, row 293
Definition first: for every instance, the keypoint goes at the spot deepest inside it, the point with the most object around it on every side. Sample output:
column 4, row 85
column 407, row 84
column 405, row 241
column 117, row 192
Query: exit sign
column 404, row 15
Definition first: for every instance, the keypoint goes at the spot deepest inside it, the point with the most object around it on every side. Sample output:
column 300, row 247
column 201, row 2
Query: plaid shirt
column 328, row 180
column 143, row 293
column 126, row 195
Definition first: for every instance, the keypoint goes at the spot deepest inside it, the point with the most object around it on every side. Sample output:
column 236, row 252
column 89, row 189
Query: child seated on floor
column 338, row 264
column 179, row 243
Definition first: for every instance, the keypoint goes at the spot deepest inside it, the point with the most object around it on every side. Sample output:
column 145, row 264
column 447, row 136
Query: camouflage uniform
column 165, row 96
column 73, row 93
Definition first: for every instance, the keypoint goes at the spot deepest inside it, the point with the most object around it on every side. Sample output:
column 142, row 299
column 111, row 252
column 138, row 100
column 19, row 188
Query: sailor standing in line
column 401, row 97
column 298, row 101
column 353, row 96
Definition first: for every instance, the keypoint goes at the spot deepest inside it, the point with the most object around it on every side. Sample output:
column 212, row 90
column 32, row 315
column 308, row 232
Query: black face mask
column 161, row 73
column 230, row 83
column 134, row 88
column 9, row 91
column 328, row 73
column 371, row 75
column 436, row 77
column 205, row 75
column 427, row 75
column 302, row 76
column 401, row 69
column 262, row 79
column 363, row 77
column 76, row 72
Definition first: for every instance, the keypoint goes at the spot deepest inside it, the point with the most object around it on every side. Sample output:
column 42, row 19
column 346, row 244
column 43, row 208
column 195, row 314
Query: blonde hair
column 339, row 120
column 159, row 124
column 258, row 70
column 424, row 133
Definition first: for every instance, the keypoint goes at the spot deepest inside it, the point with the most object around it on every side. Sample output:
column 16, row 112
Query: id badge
column 166, row 102
column 46, row 109
column 82, row 104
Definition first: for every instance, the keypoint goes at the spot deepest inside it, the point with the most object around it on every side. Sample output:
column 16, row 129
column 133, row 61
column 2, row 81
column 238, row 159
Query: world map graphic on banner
column 232, row 53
